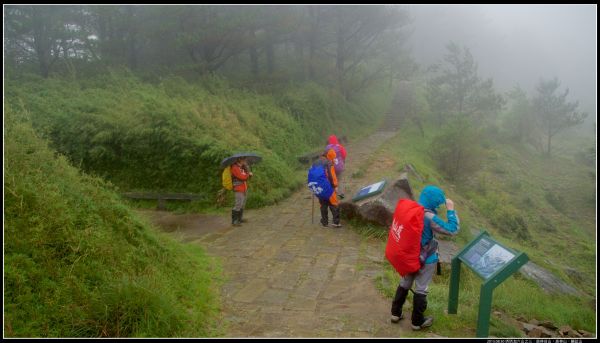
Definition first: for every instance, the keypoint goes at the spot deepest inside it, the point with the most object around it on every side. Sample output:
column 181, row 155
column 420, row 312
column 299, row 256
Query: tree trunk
column 270, row 54
column 254, row 61
column 132, row 58
column 314, row 19
column 40, row 41
column 299, row 56
column 339, row 61
column 457, row 164
column 102, row 35
column 549, row 142
column 340, row 54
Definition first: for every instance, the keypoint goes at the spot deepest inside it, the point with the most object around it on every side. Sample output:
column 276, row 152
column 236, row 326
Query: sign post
column 491, row 261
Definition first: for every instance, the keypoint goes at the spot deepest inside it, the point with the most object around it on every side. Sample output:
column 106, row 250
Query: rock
column 548, row 324
column 546, row 280
column 534, row 322
column 574, row 334
column 409, row 168
column 528, row 327
column 585, row 333
column 379, row 209
column 535, row 333
column 540, row 332
column 547, row 333
column 521, row 319
column 475, row 231
column 446, row 250
column 575, row 275
column 564, row 330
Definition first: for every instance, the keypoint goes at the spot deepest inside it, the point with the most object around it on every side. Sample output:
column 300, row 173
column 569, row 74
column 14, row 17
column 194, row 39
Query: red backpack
column 404, row 239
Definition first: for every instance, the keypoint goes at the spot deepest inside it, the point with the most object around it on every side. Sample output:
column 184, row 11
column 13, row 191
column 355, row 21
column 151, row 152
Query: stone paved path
column 288, row 277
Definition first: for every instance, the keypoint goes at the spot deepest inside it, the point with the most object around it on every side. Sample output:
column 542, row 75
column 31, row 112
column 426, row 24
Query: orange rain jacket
column 239, row 177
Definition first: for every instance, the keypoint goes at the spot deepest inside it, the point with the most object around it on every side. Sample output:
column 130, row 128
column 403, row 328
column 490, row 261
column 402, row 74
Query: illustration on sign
column 487, row 257
column 493, row 260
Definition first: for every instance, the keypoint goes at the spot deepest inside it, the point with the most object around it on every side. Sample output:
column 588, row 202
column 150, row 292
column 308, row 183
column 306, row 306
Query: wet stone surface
column 288, row 277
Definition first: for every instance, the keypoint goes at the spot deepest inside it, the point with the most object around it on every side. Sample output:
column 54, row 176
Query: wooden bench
column 310, row 157
column 162, row 197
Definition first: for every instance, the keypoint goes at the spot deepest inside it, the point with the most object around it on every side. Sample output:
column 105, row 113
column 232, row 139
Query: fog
column 516, row 44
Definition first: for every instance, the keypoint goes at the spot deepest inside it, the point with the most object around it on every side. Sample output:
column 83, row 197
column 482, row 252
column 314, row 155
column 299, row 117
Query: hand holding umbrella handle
column 246, row 168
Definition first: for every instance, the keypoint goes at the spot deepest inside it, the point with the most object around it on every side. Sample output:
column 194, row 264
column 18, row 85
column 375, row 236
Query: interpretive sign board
column 370, row 190
column 494, row 263
column 486, row 257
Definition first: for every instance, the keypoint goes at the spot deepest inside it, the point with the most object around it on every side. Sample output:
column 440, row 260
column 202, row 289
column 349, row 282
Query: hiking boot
column 235, row 218
column 398, row 302
column 336, row 225
column 324, row 225
column 418, row 321
column 427, row 323
column 395, row 319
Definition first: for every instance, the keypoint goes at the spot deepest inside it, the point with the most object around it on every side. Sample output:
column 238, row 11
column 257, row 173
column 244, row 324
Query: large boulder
column 548, row 281
column 379, row 209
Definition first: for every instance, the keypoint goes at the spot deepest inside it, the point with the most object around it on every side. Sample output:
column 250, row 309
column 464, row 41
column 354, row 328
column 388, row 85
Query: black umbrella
column 250, row 157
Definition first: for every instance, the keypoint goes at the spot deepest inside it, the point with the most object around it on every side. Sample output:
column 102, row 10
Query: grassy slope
column 79, row 263
column 172, row 135
column 64, row 228
column 517, row 296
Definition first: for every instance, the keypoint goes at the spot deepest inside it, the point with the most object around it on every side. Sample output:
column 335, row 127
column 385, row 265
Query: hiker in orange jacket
column 339, row 161
column 332, row 203
column 240, row 173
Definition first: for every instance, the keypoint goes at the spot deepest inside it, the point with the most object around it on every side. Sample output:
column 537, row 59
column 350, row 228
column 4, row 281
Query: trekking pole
column 312, row 212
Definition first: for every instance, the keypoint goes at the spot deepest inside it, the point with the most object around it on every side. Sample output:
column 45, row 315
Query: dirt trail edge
column 288, row 277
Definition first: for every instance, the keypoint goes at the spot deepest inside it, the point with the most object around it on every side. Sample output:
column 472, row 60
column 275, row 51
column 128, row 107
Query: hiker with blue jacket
column 322, row 181
column 431, row 198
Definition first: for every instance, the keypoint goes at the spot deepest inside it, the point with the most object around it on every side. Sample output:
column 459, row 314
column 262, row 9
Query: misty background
column 516, row 44
column 101, row 101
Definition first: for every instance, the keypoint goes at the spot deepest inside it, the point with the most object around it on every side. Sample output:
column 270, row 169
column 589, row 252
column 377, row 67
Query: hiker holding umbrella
column 240, row 174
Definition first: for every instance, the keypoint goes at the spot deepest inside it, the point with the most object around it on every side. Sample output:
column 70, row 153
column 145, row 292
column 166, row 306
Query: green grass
column 511, row 185
column 171, row 135
column 516, row 297
column 79, row 263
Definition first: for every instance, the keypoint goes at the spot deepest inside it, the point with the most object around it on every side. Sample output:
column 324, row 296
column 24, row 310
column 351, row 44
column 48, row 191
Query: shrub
column 454, row 150
column 510, row 221
column 171, row 136
column 79, row 263
column 556, row 200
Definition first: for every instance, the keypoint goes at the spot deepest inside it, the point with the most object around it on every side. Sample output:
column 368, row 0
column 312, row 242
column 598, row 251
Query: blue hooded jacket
column 431, row 198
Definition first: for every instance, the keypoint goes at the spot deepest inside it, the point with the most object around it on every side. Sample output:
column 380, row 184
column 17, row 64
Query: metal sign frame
column 490, row 281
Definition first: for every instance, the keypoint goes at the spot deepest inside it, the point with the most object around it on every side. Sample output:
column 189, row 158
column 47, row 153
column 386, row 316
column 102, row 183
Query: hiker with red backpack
column 338, row 162
column 412, row 249
column 322, row 182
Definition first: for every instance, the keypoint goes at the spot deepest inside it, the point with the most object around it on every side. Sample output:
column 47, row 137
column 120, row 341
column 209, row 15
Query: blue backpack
column 318, row 183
